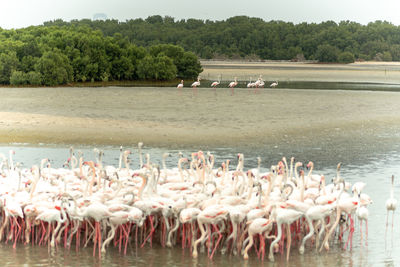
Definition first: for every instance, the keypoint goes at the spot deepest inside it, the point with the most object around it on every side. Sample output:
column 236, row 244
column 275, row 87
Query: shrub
column 346, row 57
column 18, row 78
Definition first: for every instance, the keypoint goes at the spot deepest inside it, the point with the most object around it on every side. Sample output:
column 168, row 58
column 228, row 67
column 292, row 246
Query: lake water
column 370, row 158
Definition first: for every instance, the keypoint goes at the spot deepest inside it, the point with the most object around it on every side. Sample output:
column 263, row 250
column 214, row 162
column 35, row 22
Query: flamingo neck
column 144, row 183
column 249, row 185
column 120, row 158
column 311, row 169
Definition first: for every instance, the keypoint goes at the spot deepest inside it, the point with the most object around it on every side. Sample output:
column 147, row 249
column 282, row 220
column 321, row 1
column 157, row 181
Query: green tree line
column 243, row 37
column 60, row 54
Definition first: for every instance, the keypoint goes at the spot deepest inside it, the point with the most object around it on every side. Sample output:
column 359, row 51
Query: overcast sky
column 23, row 13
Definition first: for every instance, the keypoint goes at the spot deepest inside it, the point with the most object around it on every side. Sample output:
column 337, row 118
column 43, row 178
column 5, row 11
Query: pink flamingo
column 232, row 85
column 216, row 83
column 258, row 226
column 210, row 215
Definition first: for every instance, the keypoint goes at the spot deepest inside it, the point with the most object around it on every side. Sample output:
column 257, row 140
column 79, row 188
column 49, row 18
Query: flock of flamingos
column 259, row 83
column 196, row 205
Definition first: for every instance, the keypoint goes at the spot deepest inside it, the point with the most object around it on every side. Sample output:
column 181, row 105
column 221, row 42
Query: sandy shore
column 167, row 117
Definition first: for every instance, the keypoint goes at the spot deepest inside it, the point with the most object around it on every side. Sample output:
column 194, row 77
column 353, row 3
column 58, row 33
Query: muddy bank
column 172, row 118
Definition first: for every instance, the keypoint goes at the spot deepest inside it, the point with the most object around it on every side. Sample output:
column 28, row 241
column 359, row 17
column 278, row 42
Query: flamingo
column 316, row 213
column 180, row 85
column 259, row 83
column 117, row 219
column 274, row 84
column 347, row 205
column 283, row 216
column 57, row 214
column 211, row 215
column 98, row 212
column 196, row 83
column 391, row 205
column 232, row 85
column 250, row 84
column 258, row 226
column 222, row 199
column 362, row 215
column 216, row 83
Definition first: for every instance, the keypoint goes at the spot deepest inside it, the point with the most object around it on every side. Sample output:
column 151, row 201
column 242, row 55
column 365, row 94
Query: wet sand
column 166, row 117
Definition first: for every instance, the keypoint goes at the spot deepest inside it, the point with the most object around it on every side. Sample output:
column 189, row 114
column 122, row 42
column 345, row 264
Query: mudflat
column 169, row 117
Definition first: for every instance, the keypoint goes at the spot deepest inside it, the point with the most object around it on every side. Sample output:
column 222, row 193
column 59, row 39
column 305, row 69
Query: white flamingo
column 274, row 84
column 180, row 85
column 196, row 83
column 391, row 205
column 250, row 84
column 283, row 216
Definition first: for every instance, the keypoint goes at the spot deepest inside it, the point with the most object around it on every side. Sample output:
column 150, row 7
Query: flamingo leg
column 216, row 244
column 289, row 242
column 151, row 231
column 183, row 237
column 366, row 233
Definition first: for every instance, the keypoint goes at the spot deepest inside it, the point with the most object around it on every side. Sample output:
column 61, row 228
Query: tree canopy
column 60, row 54
column 243, row 37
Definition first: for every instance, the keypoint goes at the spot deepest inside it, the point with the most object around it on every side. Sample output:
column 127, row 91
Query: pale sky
column 23, row 13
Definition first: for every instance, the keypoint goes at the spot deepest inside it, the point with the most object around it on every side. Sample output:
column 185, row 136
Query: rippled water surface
column 371, row 159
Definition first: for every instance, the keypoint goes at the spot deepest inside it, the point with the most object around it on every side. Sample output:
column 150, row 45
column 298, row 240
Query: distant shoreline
column 360, row 72
column 232, row 68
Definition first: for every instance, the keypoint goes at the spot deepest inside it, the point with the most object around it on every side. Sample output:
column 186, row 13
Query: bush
column 22, row 78
column 18, row 78
column 34, row 78
column 387, row 56
column 346, row 57
column 160, row 67
column 327, row 53
column 55, row 68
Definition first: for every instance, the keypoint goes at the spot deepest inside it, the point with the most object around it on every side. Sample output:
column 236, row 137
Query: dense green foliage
column 54, row 55
column 253, row 38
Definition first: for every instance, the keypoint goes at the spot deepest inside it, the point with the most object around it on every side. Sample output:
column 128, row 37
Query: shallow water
column 371, row 156
column 373, row 168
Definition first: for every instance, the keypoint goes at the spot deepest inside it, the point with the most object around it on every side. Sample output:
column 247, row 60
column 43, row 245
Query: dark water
column 394, row 87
